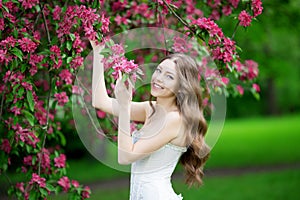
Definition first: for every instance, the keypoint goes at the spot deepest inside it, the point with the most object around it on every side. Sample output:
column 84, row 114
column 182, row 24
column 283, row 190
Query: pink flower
column 25, row 135
column 101, row 114
column 27, row 86
column 226, row 10
column 181, row 45
column 77, row 62
column 105, row 24
column 256, row 87
column 64, row 182
column 20, row 186
column 16, row 110
column 27, row 45
column 240, row 89
column 37, row 179
column 121, row 20
column 27, row 4
column 77, row 90
column 117, row 49
column 60, row 161
column 234, row 3
column 66, row 76
column 256, row 7
column 56, row 13
column 75, row 183
column 252, row 67
column 56, row 50
column 27, row 160
column 62, row 98
column 225, row 80
column 2, row 25
column 44, row 159
column 245, row 18
column 86, row 192
column 6, row 146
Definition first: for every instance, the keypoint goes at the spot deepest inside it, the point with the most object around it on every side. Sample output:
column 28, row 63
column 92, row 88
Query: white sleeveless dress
column 151, row 176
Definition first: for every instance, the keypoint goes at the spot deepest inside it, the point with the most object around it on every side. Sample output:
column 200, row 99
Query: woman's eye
column 170, row 77
column 158, row 70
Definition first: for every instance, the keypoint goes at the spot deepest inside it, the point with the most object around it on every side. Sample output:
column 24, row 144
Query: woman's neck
column 168, row 104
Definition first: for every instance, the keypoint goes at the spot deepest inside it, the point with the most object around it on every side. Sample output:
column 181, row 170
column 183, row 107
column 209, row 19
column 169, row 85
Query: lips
column 156, row 86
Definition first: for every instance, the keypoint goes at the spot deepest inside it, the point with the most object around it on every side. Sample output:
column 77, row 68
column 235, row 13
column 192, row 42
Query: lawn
column 258, row 186
column 243, row 143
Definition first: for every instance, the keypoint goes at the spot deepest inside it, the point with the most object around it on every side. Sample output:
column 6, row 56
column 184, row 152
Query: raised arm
column 100, row 98
column 164, row 128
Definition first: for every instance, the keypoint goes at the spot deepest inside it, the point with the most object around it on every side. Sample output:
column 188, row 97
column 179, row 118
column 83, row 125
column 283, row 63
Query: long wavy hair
column 189, row 103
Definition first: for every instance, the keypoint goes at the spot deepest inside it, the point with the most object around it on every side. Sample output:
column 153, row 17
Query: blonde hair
column 189, row 103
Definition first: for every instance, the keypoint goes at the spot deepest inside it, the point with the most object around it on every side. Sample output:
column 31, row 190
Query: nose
column 159, row 78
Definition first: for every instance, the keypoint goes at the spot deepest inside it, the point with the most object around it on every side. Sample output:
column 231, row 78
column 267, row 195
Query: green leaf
column 69, row 59
column 72, row 36
column 17, row 52
column 50, row 187
column 29, row 117
column 69, row 45
column 62, row 138
column 30, row 100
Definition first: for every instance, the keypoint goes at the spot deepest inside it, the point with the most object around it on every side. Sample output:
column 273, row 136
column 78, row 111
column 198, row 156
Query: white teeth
column 157, row 86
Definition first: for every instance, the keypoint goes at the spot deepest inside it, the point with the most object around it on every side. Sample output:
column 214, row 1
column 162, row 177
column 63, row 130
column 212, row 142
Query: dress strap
column 177, row 148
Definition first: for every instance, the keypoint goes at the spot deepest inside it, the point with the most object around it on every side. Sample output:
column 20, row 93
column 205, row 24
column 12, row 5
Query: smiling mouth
column 157, row 86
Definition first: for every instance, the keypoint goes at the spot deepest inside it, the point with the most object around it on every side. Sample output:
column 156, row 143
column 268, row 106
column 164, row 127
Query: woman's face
column 164, row 81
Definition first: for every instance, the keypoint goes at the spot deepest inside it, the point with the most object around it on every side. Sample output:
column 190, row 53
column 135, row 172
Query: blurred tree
column 275, row 45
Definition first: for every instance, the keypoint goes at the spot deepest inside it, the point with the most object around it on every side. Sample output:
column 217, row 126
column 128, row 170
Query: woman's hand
column 122, row 93
column 97, row 48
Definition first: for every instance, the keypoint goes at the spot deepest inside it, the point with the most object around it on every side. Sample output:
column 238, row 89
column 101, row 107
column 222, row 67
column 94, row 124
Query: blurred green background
column 257, row 155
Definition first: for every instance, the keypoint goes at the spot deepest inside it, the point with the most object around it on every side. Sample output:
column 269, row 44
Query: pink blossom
column 117, row 49
column 75, row 183
column 27, row 4
column 256, row 7
column 27, row 86
column 20, row 186
column 8, row 42
column 101, row 114
column 27, row 45
column 37, row 179
column 44, row 159
column 77, row 62
column 16, row 110
column 60, row 161
column 121, row 20
column 66, row 76
column 105, row 24
column 25, row 135
column 55, row 49
column 245, row 18
column 28, row 160
column 2, row 25
column 256, row 87
column 215, row 15
column 62, row 98
column 64, row 182
column 56, row 13
column 225, row 80
column 252, row 67
column 58, row 64
column 77, row 90
column 226, row 10
column 6, row 146
column 35, row 59
column 234, row 3
column 181, row 45
column 240, row 89
column 86, row 192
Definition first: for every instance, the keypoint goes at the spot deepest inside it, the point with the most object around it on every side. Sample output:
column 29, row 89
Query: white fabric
column 151, row 176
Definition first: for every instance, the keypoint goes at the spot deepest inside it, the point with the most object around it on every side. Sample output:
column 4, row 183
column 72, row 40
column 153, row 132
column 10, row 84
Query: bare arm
column 100, row 98
column 169, row 126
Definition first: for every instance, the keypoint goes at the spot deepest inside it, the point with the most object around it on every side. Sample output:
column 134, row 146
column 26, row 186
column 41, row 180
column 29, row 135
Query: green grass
column 243, row 142
column 256, row 142
column 258, row 186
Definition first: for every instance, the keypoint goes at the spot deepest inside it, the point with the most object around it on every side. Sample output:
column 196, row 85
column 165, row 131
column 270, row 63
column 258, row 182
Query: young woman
column 174, row 126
